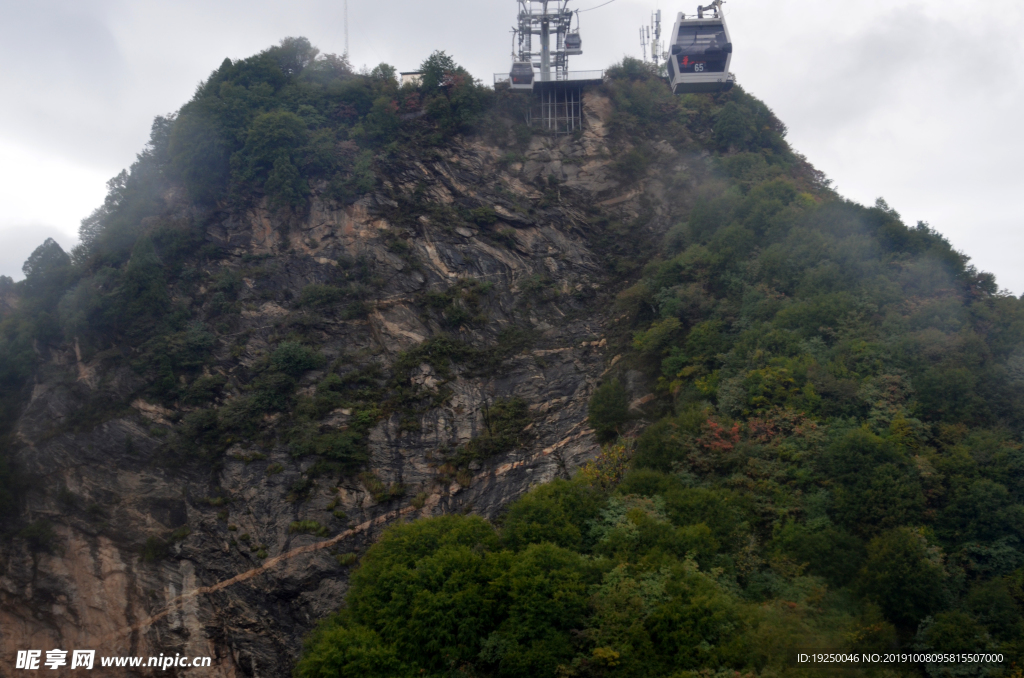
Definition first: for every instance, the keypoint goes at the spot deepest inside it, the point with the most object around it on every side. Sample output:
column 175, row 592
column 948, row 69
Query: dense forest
column 830, row 460
column 833, row 461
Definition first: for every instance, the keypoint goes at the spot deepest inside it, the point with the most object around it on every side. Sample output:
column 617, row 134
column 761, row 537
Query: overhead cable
column 597, row 7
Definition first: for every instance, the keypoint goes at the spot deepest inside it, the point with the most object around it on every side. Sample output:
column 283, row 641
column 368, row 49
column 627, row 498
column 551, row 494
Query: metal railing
column 584, row 75
column 571, row 76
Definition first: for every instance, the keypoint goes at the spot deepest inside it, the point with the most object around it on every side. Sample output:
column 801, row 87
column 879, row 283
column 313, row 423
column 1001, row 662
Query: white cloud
column 18, row 241
column 41, row 188
column 914, row 102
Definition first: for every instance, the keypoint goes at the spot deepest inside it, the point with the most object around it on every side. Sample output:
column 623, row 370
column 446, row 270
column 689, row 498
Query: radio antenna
column 346, row 28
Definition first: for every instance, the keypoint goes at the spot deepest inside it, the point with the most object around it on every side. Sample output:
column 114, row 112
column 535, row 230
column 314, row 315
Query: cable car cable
column 597, row 7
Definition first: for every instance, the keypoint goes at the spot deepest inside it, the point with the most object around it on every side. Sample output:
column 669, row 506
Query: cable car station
column 542, row 44
column 696, row 61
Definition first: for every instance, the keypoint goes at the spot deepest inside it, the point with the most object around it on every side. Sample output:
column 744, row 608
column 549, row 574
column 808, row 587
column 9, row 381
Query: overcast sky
column 919, row 103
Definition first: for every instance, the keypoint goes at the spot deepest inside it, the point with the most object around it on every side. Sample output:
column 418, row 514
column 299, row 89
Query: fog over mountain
column 933, row 88
column 350, row 378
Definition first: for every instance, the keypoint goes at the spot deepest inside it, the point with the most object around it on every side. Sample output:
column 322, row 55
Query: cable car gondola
column 700, row 52
column 573, row 44
column 521, row 76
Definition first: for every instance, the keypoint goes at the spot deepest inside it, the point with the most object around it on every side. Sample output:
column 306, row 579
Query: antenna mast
column 346, row 29
column 656, row 42
column 651, row 35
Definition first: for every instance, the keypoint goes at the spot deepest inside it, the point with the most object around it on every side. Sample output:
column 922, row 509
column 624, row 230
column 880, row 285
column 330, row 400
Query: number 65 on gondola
column 700, row 50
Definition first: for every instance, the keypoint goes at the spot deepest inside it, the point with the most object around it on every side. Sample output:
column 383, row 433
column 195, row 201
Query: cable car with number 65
column 700, row 50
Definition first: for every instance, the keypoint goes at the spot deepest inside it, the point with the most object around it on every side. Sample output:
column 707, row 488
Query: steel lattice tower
column 544, row 19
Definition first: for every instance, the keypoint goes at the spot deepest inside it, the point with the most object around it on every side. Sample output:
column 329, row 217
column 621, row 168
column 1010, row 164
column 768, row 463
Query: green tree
column 199, row 152
column 293, row 359
column 608, row 410
column 294, row 55
column 427, row 588
column 828, row 551
column 699, row 625
column 338, row 650
column 953, row 631
column 901, row 577
column 46, row 271
column 557, row 512
column 382, row 121
column 544, row 595
column 982, row 511
column 268, row 159
column 451, row 97
column 437, row 69
column 143, row 292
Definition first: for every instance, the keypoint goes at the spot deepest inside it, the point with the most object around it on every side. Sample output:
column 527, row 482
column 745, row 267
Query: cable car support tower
column 546, row 19
column 542, row 44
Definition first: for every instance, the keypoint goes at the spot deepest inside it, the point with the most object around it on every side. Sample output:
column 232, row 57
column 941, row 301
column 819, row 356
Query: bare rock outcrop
column 149, row 557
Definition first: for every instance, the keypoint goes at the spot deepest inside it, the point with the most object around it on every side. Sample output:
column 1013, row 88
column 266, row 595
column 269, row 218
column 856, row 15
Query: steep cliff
column 451, row 322
column 322, row 304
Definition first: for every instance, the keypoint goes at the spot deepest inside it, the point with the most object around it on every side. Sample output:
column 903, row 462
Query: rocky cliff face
column 237, row 581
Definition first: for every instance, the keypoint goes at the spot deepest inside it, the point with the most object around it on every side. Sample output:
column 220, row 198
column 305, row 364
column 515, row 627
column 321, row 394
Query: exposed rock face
column 106, row 491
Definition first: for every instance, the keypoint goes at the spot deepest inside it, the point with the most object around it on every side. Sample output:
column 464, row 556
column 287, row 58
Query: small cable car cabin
column 700, row 52
column 521, row 76
column 573, row 43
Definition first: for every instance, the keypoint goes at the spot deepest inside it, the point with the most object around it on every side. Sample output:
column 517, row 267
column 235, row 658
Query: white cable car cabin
column 573, row 43
column 700, row 52
column 521, row 75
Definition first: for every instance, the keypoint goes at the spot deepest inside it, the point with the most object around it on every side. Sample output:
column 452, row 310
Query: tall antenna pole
column 545, row 45
column 656, row 42
column 346, row 29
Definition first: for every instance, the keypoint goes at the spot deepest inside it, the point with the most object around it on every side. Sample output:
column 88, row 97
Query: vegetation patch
column 608, row 410
column 460, row 304
column 308, row 527
column 505, row 423
column 379, row 490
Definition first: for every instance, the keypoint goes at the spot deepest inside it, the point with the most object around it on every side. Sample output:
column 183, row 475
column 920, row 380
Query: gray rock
column 239, row 584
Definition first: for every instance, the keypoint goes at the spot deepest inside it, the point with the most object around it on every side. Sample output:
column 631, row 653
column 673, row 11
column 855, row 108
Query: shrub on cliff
column 608, row 409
